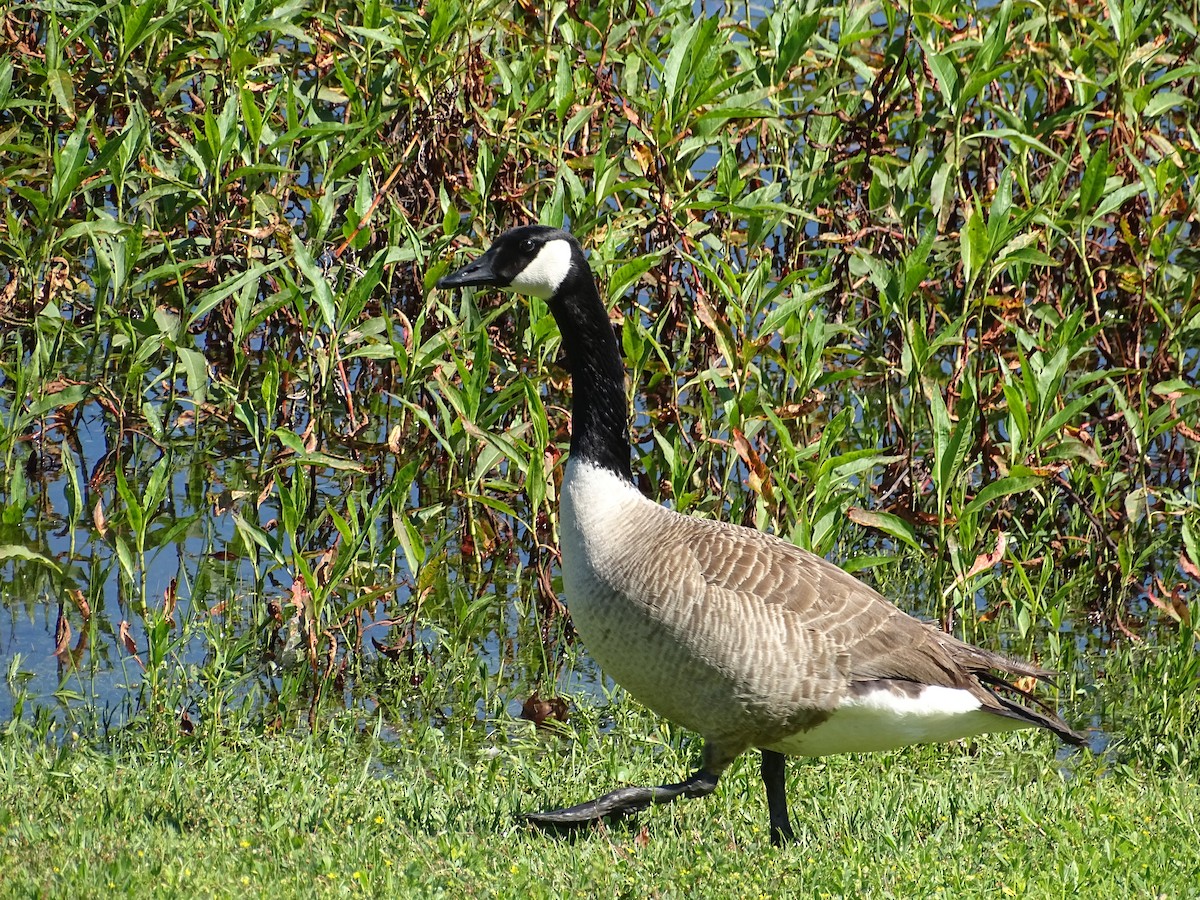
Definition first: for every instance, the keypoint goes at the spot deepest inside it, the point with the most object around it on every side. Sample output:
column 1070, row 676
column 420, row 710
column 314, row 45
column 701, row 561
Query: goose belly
column 645, row 658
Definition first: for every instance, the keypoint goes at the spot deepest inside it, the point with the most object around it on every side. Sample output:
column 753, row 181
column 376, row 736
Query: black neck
column 599, row 415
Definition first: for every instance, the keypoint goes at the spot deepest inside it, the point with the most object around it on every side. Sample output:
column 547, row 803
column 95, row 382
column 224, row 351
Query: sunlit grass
column 425, row 816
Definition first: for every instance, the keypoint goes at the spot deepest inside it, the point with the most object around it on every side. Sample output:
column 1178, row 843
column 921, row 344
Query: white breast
column 636, row 619
column 596, row 512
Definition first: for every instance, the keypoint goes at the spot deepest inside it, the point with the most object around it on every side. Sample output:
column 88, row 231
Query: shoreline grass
column 436, row 815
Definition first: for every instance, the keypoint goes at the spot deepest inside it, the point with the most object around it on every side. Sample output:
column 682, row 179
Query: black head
column 532, row 259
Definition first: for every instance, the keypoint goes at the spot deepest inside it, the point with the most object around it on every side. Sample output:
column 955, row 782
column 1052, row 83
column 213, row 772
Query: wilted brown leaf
column 991, row 613
column 62, row 633
column 1187, row 431
column 985, row 561
column 760, row 475
column 81, row 603
column 538, row 711
column 170, row 598
column 1180, row 605
column 128, row 643
column 390, row 651
column 1026, row 683
column 1174, row 604
column 299, row 594
column 98, row 518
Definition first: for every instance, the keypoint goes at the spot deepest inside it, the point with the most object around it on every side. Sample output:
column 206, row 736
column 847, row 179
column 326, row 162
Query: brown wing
column 850, row 633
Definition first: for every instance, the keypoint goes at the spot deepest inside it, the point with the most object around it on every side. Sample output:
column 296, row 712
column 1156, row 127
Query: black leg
column 772, row 776
column 623, row 801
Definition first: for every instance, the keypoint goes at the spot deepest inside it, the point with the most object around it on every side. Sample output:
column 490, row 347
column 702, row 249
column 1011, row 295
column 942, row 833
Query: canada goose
column 735, row 634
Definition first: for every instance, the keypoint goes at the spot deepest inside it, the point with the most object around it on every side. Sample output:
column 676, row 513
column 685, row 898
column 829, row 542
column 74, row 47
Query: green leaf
column 1094, row 176
column 889, row 524
column 59, row 82
column 973, row 243
column 17, row 551
column 195, row 367
column 321, row 290
column 1002, row 487
column 680, row 44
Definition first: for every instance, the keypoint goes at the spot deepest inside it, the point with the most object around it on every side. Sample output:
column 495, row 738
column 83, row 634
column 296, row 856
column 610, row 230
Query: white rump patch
column 546, row 272
column 885, row 719
column 934, row 700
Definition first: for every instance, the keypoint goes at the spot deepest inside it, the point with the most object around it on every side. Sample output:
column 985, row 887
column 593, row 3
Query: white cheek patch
column 546, row 272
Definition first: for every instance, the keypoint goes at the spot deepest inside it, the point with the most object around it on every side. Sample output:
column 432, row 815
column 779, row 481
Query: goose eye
column 527, row 245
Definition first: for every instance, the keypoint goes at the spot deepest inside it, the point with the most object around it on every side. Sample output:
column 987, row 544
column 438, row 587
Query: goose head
column 534, row 260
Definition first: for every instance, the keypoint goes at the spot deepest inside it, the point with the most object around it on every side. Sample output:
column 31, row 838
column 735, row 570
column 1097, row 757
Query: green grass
column 427, row 816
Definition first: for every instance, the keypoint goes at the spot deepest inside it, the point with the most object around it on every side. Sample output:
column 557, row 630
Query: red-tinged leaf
column 1189, row 567
column 62, row 633
column 299, row 594
column 99, row 519
column 1162, row 605
column 186, row 725
column 128, row 643
column 985, row 561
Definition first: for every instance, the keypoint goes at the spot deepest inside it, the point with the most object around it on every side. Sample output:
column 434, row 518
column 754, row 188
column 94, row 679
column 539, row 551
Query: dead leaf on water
column 539, row 711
